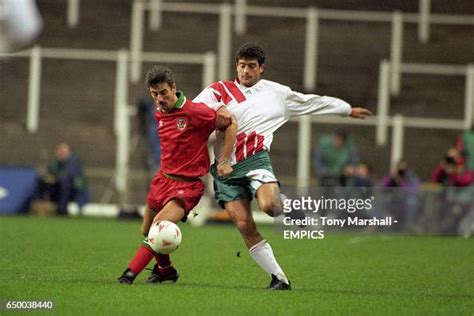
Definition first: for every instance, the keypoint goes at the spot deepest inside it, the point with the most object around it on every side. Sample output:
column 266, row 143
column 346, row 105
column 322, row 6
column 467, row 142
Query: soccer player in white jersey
column 260, row 107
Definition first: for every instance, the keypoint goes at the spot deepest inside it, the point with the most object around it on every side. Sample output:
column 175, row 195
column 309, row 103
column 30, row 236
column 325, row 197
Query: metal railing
column 383, row 104
column 73, row 12
column 312, row 15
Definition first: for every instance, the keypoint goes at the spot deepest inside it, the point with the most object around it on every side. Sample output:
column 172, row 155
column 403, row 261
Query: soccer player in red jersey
column 184, row 128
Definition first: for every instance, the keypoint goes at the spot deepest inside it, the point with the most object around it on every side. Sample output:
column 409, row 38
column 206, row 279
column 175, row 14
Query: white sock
column 262, row 253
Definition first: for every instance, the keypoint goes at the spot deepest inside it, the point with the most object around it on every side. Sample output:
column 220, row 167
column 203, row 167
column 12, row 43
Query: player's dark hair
column 251, row 51
column 157, row 75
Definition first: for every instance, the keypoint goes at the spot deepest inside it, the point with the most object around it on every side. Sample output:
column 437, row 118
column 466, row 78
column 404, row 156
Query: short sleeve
column 203, row 117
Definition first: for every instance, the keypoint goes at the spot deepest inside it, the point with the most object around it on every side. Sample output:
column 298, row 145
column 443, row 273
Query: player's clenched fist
column 224, row 168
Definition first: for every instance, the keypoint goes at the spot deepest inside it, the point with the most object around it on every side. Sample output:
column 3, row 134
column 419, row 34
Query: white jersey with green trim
column 261, row 109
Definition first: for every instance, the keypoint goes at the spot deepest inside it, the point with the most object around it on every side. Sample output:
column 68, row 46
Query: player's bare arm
column 360, row 113
column 224, row 167
column 224, row 118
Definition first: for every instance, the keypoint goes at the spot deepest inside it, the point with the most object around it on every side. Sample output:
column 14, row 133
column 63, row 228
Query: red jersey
column 184, row 133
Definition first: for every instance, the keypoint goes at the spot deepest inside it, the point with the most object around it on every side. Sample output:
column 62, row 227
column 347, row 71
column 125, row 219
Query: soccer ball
column 164, row 237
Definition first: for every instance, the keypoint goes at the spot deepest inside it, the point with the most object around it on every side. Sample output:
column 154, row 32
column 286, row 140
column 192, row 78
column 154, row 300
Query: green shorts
column 244, row 181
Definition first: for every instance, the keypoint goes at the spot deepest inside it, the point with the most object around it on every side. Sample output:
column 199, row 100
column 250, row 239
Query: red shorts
column 163, row 189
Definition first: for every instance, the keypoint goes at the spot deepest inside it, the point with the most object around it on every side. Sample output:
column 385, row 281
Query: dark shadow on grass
column 206, row 285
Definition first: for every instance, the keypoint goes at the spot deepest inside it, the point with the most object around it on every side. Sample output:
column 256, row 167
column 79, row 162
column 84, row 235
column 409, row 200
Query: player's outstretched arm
column 224, row 167
column 360, row 113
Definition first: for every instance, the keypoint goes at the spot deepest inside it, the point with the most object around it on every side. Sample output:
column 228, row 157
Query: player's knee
column 272, row 208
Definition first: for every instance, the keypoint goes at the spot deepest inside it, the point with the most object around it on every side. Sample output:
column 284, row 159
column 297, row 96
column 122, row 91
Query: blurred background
column 78, row 92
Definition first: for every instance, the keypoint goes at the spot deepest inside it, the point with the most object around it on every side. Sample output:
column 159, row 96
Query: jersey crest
column 181, row 123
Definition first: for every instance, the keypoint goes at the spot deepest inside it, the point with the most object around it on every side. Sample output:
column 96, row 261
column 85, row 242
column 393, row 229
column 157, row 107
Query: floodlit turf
column 75, row 263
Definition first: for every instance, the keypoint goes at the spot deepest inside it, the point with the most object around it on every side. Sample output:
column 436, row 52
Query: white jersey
column 261, row 109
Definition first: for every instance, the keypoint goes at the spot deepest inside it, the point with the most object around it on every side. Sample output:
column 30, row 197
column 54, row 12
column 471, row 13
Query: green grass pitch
column 75, row 263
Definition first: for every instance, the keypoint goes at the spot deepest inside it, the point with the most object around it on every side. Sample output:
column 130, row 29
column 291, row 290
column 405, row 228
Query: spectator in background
column 452, row 172
column 402, row 201
column 402, row 176
column 358, row 176
column 457, row 199
column 65, row 180
column 358, row 185
column 465, row 146
column 148, row 128
column 335, row 158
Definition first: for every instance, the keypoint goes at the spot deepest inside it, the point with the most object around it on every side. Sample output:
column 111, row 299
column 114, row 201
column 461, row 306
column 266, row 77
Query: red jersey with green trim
column 184, row 133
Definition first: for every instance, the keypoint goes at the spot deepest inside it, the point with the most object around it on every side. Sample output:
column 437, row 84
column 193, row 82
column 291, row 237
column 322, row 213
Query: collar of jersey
column 244, row 88
column 181, row 100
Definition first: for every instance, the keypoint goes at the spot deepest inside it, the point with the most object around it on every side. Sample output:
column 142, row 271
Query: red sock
column 141, row 259
column 164, row 262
